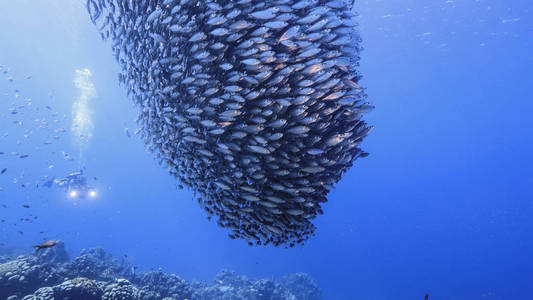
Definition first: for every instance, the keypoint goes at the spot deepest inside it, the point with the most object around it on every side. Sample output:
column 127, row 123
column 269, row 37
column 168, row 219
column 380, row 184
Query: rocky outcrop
column 96, row 275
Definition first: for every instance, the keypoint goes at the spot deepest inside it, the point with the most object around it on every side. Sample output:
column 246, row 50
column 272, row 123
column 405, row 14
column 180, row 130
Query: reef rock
column 95, row 263
column 157, row 285
column 122, row 289
column 301, row 286
column 229, row 285
column 22, row 275
column 32, row 277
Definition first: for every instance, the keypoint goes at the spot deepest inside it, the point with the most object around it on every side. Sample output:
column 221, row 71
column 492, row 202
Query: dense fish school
column 255, row 105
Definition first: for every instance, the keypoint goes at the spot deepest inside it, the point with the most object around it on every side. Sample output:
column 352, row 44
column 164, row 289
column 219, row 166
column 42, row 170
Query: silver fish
column 254, row 105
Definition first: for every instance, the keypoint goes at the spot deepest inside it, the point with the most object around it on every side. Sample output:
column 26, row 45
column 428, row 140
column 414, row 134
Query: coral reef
column 158, row 285
column 95, row 275
column 122, row 289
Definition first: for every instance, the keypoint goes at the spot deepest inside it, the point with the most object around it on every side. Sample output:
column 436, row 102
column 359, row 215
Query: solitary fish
column 47, row 244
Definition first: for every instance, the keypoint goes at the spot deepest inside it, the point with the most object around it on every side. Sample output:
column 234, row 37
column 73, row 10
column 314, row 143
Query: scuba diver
column 74, row 184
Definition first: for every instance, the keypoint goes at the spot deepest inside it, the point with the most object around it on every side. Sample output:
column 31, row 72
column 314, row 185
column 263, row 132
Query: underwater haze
column 442, row 206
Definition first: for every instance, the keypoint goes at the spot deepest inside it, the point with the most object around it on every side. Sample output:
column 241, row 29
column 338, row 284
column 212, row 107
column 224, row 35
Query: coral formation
column 95, row 275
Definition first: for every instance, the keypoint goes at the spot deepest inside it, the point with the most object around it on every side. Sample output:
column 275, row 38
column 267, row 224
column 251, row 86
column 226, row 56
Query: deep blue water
column 443, row 205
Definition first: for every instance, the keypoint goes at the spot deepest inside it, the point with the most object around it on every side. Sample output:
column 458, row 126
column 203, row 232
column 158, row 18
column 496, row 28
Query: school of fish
column 255, row 105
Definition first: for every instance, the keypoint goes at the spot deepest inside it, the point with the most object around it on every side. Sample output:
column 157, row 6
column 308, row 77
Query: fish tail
column 37, row 248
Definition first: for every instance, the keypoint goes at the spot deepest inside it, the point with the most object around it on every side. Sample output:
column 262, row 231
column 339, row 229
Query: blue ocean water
column 442, row 205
